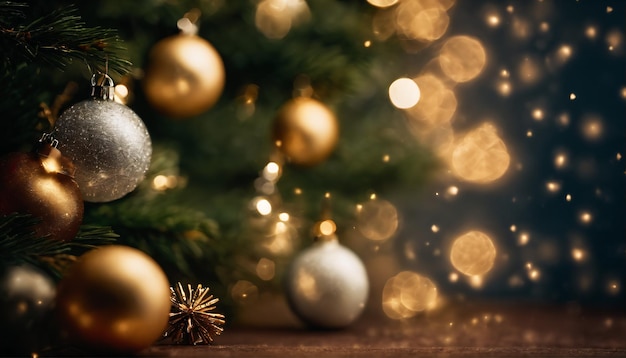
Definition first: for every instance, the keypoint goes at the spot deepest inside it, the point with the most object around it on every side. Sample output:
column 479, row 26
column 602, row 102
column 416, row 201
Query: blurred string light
column 404, row 93
column 408, row 293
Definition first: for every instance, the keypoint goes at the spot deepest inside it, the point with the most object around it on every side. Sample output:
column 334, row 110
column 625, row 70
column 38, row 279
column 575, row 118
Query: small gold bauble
column 114, row 299
column 184, row 77
column 306, row 131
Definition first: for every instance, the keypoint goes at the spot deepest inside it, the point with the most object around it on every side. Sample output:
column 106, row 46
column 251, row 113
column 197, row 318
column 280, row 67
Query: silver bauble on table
column 107, row 142
column 327, row 284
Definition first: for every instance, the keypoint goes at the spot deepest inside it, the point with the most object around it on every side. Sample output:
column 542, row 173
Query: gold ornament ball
column 184, row 77
column 114, row 299
column 306, row 131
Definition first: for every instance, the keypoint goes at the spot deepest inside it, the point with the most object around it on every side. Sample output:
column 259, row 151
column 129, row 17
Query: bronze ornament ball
column 184, row 76
column 306, row 131
column 114, row 299
column 36, row 184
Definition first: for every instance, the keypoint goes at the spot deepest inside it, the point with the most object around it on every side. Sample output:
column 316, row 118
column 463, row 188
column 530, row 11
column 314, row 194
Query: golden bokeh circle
column 406, row 294
column 473, row 253
column 462, row 58
column 481, row 156
column 377, row 220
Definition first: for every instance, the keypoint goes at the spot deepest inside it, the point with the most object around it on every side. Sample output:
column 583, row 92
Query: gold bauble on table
column 306, row 131
column 114, row 299
column 184, row 76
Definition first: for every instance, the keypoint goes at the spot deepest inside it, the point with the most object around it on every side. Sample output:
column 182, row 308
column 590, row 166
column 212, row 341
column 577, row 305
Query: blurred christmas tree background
column 541, row 97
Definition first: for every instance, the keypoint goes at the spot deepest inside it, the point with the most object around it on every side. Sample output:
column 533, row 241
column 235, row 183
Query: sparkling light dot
column 453, row 277
column 523, row 238
column 404, row 93
column 564, row 53
column 592, row 128
column 452, row 190
column 568, row 197
column 473, row 253
column 263, row 206
column 560, row 160
column 513, row 228
column 537, row 114
column 434, row 228
column 591, row 32
column 493, row 20
column 613, row 287
column 585, row 217
column 534, row 274
column 578, row 254
column 553, row 186
column 504, row 88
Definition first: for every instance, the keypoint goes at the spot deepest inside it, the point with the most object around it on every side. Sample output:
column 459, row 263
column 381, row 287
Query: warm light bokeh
column 462, row 58
column 480, row 156
column 473, row 253
column 407, row 293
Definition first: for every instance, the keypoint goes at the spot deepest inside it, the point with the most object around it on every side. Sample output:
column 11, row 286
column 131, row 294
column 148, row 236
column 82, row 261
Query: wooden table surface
column 459, row 330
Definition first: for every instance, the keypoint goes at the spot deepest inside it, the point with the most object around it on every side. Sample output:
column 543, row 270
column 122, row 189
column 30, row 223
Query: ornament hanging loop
column 102, row 87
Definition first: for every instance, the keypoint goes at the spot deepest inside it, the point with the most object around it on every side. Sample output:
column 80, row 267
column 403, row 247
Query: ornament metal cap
column 51, row 157
column 102, row 88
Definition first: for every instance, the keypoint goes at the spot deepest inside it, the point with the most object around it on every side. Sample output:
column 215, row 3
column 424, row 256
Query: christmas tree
column 223, row 138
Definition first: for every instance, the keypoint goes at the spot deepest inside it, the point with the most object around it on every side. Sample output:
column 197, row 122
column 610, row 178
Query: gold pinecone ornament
column 191, row 318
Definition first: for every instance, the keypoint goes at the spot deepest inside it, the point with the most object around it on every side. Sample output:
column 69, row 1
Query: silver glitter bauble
column 327, row 285
column 109, row 145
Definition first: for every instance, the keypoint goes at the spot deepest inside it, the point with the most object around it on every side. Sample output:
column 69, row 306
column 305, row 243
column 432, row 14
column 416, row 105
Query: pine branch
column 18, row 243
column 56, row 39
